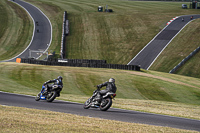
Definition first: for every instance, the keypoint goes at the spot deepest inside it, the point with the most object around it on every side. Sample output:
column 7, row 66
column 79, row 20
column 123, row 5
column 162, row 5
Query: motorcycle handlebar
column 97, row 87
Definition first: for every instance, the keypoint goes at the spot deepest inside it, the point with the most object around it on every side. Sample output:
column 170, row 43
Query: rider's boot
column 45, row 91
column 58, row 94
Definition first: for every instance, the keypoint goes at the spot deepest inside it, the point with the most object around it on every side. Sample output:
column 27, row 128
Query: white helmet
column 112, row 80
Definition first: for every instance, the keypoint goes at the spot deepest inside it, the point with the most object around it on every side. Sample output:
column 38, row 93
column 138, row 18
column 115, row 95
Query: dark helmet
column 112, row 80
column 60, row 77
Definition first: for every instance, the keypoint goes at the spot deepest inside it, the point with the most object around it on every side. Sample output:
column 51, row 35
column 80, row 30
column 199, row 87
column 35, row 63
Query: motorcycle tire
column 87, row 104
column 51, row 96
column 37, row 98
column 106, row 104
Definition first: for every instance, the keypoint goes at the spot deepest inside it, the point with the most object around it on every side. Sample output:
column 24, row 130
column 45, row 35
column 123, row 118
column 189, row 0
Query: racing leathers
column 110, row 87
column 57, row 82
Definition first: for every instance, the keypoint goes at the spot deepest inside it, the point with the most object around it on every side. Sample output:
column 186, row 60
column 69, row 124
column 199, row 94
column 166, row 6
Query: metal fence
column 184, row 60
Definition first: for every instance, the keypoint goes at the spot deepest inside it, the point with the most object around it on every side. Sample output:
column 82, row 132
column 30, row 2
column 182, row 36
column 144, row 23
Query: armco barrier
column 184, row 60
column 65, row 31
column 82, row 63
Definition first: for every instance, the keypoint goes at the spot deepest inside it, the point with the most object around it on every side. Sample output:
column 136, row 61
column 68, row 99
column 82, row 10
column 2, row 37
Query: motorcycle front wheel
column 51, row 96
column 106, row 104
column 87, row 104
column 37, row 98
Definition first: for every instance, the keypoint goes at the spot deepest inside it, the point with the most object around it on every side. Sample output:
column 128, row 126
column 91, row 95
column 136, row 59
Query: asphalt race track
column 152, row 50
column 10, row 99
column 42, row 32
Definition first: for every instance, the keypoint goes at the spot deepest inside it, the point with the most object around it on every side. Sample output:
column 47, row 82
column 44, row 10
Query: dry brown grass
column 21, row 120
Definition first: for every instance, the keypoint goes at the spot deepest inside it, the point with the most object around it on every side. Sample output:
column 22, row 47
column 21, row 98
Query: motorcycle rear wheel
column 87, row 104
column 51, row 96
column 37, row 98
column 106, row 104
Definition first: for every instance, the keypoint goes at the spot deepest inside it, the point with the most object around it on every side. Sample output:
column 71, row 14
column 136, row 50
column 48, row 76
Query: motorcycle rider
column 57, row 82
column 110, row 87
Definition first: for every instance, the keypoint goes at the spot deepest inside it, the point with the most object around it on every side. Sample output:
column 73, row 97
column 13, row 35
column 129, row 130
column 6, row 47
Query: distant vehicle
column 184, row 6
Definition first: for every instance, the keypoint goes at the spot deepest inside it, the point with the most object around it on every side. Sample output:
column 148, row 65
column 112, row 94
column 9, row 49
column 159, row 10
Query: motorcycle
column 105, row 104
column 50, row 94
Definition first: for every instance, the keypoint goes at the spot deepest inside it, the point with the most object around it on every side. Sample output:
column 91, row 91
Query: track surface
column 42, row 32
column 152, row 50
column 112, row 113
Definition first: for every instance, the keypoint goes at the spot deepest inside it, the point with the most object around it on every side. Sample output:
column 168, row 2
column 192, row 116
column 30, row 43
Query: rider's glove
column 98, row 88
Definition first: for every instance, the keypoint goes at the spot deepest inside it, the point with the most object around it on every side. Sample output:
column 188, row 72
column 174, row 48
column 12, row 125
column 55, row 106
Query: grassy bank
column 181, row 46
column 142, row 91
column 15, row 119
column 4, row 19
column 16, row 30
column 116, row 37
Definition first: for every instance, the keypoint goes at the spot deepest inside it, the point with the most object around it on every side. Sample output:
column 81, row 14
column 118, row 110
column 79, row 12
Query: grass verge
column 17, row 119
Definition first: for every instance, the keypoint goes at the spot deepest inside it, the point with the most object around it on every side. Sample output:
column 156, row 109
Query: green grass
column 80, row 81
column 116, row 37
column 16, row 30
column 3, row 19
column 138, row 87
column 183, row 44
column 191, row 68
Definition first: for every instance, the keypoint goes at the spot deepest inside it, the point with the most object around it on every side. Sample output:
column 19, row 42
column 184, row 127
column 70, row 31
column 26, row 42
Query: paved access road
column 152, row 50
column 112, row 113
column 42, row 32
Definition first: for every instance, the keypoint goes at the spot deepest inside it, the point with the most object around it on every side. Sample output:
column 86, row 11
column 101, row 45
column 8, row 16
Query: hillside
column 181, row 46
column 146, row 85
column 16, row 29
column 147, row 91
column 116, row 37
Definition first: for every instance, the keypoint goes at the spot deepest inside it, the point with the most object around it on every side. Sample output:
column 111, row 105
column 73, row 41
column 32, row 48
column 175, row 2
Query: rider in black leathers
column 57, row 81
column 110, row 87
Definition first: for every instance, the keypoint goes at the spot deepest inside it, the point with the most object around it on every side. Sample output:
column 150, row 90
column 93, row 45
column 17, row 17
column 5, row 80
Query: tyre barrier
column 81, row 63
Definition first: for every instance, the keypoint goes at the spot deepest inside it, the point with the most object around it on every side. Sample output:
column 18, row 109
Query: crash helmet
column 112, row 80
column 60, row 77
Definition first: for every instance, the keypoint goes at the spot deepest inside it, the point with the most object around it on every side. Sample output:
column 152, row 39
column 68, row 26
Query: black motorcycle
column 105, row 104
column 49, row 94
